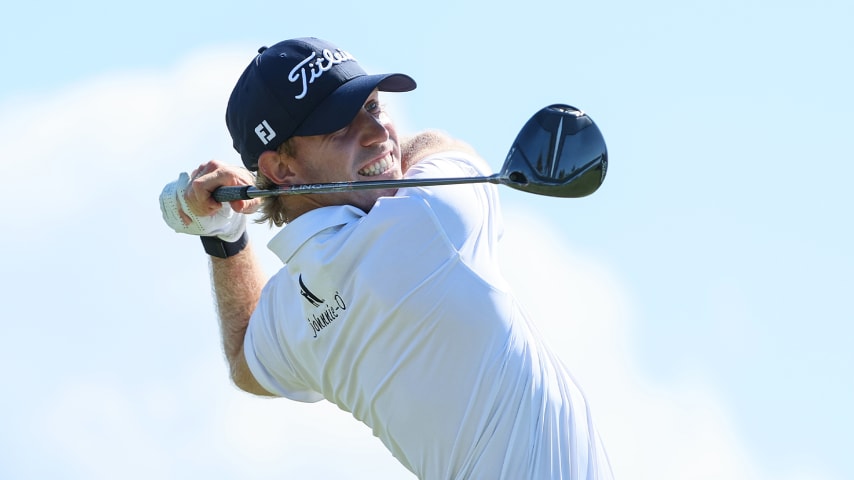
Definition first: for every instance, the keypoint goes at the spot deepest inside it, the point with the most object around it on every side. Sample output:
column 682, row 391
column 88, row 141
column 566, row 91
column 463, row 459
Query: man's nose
column 372, row 129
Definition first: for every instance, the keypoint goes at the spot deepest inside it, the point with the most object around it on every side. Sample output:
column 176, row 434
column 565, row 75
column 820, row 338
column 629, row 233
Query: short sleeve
column 266, row 357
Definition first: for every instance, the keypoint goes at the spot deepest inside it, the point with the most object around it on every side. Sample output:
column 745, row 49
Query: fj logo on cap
column 265, row 132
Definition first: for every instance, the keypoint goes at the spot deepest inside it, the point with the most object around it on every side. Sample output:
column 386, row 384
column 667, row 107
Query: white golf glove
column 226, row 224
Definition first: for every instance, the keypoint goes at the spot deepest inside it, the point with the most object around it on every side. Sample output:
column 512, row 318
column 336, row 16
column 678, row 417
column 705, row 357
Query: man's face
column 366, row 149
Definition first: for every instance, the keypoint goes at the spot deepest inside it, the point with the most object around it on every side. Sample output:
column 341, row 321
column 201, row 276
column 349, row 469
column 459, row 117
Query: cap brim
column 340, row 107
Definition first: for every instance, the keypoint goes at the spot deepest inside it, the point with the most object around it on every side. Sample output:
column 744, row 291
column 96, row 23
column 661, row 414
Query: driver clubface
column 560, row 152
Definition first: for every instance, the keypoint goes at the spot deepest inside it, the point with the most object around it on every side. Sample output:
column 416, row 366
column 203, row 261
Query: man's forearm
column 237, row 283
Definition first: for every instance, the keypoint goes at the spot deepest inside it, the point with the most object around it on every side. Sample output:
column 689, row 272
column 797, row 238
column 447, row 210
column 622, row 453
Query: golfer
column 390, row 303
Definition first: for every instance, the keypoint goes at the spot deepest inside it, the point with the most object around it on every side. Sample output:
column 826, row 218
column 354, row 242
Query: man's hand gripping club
column 188, row 206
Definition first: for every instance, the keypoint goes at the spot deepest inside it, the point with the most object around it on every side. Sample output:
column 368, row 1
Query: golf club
column 560, row 152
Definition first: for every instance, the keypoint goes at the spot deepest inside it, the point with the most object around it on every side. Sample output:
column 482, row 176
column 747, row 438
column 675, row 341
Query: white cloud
column 194, row 424
column 651, row 431
column 100, row 141
column 99, row 433
column 105, row 148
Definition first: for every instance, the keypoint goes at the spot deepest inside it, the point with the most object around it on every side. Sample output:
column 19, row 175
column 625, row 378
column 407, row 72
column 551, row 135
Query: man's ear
column 276, row 167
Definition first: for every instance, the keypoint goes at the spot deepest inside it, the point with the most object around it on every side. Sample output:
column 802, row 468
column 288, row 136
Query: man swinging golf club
column 390, row 302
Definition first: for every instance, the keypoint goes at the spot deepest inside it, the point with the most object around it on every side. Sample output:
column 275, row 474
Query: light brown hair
column 274, row 208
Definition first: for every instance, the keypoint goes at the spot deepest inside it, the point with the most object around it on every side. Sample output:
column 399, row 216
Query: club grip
column 230, row 194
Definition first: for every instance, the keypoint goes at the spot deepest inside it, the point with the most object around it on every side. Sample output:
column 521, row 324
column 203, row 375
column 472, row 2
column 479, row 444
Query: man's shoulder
column 449, row 163
column 416, row 147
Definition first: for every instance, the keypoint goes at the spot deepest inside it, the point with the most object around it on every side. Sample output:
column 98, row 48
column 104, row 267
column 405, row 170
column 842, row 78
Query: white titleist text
column 317, row 68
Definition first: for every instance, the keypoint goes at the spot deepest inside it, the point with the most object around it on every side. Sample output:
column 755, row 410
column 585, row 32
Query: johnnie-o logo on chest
column 313, row 67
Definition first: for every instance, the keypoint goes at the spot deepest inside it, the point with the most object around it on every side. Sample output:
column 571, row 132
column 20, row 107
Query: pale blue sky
column 717, row 256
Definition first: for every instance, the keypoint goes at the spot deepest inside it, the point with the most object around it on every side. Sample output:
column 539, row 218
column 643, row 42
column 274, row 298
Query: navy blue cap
column 302, row 86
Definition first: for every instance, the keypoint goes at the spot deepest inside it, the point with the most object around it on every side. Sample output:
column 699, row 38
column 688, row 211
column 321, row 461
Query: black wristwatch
column 216, row 247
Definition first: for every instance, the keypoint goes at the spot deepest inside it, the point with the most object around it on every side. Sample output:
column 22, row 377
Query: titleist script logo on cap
column 317, row 68
column 306, row 72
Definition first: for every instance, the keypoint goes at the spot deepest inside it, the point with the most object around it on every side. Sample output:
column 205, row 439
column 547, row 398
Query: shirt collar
column 285, row 243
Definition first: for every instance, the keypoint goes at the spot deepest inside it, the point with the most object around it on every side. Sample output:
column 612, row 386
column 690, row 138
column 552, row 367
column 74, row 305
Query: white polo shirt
column 401, row 317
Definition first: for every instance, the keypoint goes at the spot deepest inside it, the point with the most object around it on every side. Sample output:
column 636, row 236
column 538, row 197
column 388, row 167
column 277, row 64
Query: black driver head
column 560, row 152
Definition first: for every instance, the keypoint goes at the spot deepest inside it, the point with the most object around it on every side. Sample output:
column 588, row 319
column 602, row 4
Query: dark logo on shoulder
column 325, row 313
column 311, row 297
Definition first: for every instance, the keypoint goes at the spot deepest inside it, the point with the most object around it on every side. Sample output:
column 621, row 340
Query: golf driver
column 560, row 152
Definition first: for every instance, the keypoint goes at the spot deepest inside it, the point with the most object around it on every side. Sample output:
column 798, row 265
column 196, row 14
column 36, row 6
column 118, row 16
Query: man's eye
column 373, row 106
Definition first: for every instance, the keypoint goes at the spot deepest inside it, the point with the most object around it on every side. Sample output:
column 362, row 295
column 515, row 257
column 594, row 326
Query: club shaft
column 229, row 194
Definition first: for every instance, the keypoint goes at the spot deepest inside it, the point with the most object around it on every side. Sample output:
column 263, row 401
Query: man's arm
column 237, row 283
column 237, row 280
column 415, row 148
